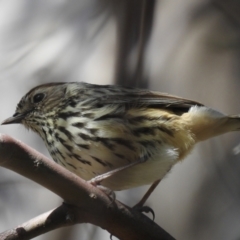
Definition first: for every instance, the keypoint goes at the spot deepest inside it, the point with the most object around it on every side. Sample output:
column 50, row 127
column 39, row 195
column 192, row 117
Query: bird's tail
column 232, row 123
column 207, row 123
column 223, row 125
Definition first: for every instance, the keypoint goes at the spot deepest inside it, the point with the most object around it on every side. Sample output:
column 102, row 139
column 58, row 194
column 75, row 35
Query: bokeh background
column 186, row 47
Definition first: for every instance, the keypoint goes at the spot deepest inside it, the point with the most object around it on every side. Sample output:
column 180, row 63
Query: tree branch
column 60, row 217
column 84, row 202
column 134, row 26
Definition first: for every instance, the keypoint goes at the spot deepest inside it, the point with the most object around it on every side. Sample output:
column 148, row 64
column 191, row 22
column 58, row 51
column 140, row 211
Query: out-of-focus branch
column 230, row 8
column 85, row 203
column 60, row 217
column 134, row 25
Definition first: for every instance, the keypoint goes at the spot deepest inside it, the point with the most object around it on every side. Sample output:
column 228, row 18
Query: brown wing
column 137, row 98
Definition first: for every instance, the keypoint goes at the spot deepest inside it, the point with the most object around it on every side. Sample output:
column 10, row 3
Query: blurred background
column 188, row 48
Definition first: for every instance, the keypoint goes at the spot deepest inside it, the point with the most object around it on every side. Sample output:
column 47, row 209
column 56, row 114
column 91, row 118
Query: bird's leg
column 139, row 206
column 147, row 194
column 98, row 179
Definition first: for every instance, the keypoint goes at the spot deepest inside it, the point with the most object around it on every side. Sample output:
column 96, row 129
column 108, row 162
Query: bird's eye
column 38, row 97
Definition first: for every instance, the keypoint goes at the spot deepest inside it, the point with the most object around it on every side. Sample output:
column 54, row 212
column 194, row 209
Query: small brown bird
column 121, row 137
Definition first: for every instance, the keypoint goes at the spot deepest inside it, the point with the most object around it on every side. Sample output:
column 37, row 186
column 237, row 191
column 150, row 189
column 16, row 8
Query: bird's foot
column 110, row 193
column 145, row 209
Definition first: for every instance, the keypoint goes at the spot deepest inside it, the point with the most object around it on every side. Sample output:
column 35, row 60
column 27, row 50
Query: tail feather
column 233, row 123
column 206, row 123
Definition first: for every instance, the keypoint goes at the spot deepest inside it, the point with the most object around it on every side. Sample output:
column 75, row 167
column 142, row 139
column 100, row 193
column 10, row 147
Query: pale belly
column 154, row 168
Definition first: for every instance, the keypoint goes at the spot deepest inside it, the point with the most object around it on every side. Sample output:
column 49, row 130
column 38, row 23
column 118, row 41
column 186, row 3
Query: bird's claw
column 110, row 193
column 145, row 209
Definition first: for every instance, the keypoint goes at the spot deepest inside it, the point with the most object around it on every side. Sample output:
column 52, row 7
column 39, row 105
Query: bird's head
column 38, row 104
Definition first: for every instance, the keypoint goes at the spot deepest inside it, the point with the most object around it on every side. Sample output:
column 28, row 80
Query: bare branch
column 60, row 217
column 85, row 203
column 134, row 25
column 230, row 9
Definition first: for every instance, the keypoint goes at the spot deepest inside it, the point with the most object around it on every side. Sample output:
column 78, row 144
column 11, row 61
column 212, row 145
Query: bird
column 118, row 137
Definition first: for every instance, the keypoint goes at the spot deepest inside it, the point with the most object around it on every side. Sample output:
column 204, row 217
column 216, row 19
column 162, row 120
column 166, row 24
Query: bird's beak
column 16, row 118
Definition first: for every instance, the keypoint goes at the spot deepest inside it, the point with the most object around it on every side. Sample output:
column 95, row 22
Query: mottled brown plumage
column 92, row 129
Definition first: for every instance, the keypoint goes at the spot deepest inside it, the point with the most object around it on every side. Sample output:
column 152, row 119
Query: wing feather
column 141, row 98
